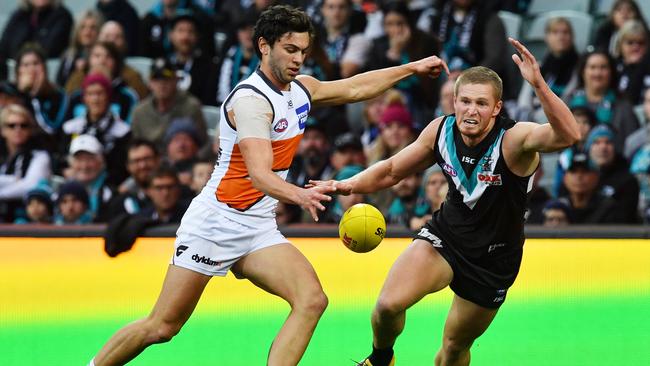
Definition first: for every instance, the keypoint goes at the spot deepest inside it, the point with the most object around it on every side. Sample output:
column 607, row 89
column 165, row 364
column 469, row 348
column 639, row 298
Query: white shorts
column 210, row 243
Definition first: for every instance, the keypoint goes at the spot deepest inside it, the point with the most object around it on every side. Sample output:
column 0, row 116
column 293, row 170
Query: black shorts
column 484, row 281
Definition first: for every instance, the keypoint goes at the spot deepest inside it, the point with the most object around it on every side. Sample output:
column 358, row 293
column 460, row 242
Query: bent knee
column 162, row 332
column 314, row 303
column 455, row 346
column 387, row 307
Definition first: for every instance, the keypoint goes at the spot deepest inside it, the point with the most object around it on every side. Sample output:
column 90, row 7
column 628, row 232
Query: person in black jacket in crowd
column 123, row 12
column 403, row 43
column 633, row 61
column 159, row 21
column 607, row 33
column 46, row 22
column 615, row 178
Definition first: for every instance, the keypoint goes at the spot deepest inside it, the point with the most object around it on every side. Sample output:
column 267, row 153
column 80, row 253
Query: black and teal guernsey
column 483, row 213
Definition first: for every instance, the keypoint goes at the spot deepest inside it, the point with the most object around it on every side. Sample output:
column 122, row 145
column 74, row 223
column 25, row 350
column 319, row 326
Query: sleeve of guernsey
column 253, row 117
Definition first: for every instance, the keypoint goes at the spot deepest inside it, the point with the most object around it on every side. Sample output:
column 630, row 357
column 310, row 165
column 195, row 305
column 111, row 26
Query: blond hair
column 480, row 75
column 17, row 109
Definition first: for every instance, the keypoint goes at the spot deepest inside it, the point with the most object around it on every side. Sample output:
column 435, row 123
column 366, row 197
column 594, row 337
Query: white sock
column 92, row 362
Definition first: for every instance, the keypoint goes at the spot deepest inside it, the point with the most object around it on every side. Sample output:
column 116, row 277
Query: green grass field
column 575, row 303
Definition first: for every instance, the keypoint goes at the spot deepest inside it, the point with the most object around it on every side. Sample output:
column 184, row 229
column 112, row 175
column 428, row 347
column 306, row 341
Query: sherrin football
column 362, row 228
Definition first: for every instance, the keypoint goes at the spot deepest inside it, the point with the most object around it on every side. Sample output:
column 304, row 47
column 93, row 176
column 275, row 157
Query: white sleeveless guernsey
column 230, row 189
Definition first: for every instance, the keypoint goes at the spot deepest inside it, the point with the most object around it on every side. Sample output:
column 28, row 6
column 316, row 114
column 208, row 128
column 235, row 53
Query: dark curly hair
column 278, row 20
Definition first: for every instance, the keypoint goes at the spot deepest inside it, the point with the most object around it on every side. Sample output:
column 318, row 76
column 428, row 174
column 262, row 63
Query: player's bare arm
column 369, row 84
column 414, row 158
column 523, row 141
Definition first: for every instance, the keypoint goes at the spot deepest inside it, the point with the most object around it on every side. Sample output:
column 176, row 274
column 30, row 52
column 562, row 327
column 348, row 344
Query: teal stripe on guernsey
column 468, row 183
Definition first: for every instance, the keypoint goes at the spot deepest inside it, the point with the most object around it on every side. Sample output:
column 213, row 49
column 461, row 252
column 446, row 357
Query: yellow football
column 362, row 228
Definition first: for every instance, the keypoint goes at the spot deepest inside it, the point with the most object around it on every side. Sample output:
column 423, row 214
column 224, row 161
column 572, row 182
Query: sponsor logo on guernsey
column 205, row 260
column 290, row 104
column 467, row 159
column 435, row 241
column 302, row 112
column 449, row 169
column 180, row 250
column 490, row 179
column 281, row 125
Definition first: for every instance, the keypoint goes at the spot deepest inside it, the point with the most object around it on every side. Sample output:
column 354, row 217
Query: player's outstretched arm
column 369, row 84
column 562, row 130
column 412, row 159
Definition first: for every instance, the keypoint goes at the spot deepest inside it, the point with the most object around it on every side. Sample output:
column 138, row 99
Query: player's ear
column 497, row 108
column 263, row 45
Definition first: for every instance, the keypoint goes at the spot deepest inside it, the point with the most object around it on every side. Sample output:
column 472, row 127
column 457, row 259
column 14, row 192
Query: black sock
column 381, row 357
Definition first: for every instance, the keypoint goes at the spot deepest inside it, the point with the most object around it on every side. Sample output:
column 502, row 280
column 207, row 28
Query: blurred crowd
column 90, row 135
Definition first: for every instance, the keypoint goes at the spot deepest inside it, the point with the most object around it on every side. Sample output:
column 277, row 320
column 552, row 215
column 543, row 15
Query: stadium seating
column 141, row 65
column 544, row 6
column 582, row 28
column 512, row 23
column 11, row 70
column 52, row 68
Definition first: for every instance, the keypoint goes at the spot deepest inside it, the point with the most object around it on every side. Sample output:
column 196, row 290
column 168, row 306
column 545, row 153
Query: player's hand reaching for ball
column 338, row 187
column 310, row 198
column 430, row 66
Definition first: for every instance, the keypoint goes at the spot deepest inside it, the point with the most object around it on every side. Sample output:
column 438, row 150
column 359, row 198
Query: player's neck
column 266, row 70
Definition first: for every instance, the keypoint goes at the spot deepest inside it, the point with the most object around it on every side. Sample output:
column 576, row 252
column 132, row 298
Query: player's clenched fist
column 430, row 66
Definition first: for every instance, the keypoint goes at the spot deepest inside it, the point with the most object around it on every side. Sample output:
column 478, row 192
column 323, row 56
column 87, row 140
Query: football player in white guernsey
column 491, row 190
column 230, row 224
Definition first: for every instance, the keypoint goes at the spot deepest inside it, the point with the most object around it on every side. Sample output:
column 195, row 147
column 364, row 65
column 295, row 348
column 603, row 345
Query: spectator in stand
column 434, row 186
column 46, row 101
column 83, row 37
column 402, row 43
column 396, row 131
column 472, row 34
column 597, row 91
column 615, row 180
column 197, row 70
column 312, row 161
column 113, row 33
column 39, row 208
column 345, row 45
column 22, row 163
column 72, row 205
column 587, row 204
column 622, row 11
column 45, row 22
column 123, row 12
column 633, row 61
column 556, row 214
column 104, row 58
column 586, row 121
column 153, row 116
column 164, row 191
column 557, row 67
column 158, row 22
column 201, row 172
column 372, row 111
column 348, row 150
column 102, row 123
column 183, row 143
column 446, row 104
column 408, row 199
column 87, row 167
column 142, row 159
column 241, row 59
